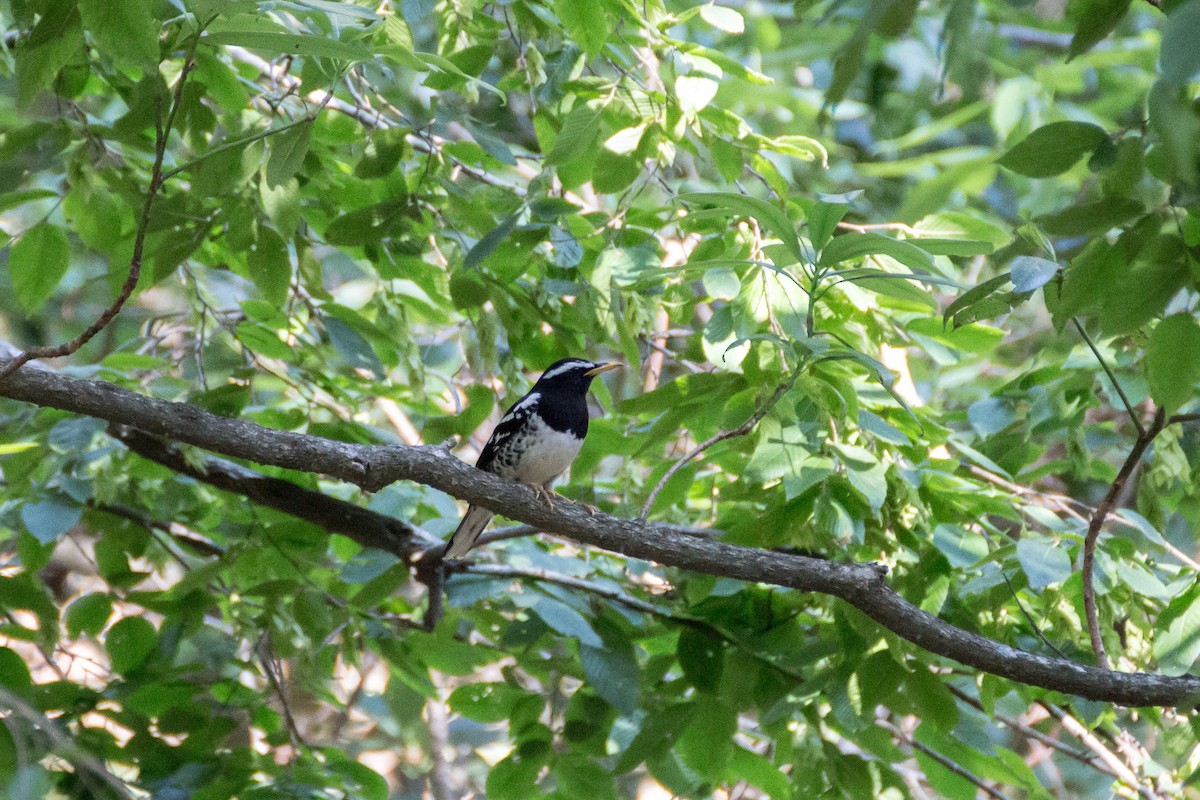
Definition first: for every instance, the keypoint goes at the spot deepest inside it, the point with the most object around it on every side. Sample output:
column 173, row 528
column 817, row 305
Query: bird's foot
column 591, row 509
column 545, row 493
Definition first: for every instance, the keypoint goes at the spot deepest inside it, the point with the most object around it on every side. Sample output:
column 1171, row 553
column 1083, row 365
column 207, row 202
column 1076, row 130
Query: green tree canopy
column 897, row 496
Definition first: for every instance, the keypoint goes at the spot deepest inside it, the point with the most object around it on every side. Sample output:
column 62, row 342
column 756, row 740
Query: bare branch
column 161, row 135
column 1097, row 523
column 1123, row 771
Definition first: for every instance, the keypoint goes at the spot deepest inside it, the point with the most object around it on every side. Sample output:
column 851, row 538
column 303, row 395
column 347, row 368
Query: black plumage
column 536, row 440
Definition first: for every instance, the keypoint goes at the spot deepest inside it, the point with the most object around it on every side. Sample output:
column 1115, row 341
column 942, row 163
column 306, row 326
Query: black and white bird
column 536, row 439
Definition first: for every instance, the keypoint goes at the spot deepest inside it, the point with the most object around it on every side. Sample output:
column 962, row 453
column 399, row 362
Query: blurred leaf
column 1173, row 361
column 129, row 642
column 1044, row 561
column 1096, row 20
column 126, row 30
column 1053, row 149
column 37, row 263
column 288, row 150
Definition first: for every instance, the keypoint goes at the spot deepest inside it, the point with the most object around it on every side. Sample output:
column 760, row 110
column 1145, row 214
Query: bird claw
column 591, row 509
column 544, row 493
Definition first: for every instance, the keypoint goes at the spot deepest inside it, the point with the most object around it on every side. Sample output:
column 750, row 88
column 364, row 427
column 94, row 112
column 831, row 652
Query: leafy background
column 962, row 237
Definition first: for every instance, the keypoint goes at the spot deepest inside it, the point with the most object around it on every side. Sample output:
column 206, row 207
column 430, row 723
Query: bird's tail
column 467, row 533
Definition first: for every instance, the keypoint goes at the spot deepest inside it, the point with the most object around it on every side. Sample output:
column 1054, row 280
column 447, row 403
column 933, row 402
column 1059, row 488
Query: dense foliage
column 944, row 257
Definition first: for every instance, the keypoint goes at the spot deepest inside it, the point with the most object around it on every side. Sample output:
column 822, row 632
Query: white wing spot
column 522, row 407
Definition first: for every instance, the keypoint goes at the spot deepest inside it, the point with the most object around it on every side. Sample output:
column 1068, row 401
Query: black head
column 572, row 373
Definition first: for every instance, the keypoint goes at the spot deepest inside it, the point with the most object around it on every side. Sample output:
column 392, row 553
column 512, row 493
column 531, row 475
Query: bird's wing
column 509, row 424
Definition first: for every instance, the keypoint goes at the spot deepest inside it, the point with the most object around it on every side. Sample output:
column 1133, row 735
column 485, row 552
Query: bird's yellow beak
column 594, row 371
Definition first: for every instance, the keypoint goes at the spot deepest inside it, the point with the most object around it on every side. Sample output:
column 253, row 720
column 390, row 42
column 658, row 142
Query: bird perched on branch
column 536, row 439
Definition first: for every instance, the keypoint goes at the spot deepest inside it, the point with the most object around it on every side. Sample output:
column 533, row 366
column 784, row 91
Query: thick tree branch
column 364, row 526
column 372, row 467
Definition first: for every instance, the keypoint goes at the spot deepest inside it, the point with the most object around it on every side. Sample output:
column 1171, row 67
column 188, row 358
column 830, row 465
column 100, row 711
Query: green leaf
column 579, row 776
column 586, row 23
column 724, row 19
column 1173, row 361
column 88, row 614
column 488, row 243
column 768, row 215
column 1097, row 216
column 1044, row 561
column 1030, row 273
column 1180, row 59
column 288, row 150
column 129, row 642
column 613, row 673
column 563, row 619
column 125, row 30
column 54, row 42
column 1177, row 634
column 1174, row 119
column 822, row 221
column 353, row 347
column 270, row 267
column 701, row 654
column 1053, row 149
column 1097, row 19
column 708, row 743
column 49, row 519
column 37, row 262
column 854, row 245
column 578, row 131
column 974, row 295
column 659, row 731
column 485, row 702
column 758, row 771
column 297, row 44
column 694, row 92
column 865, row 473
column 14, row 674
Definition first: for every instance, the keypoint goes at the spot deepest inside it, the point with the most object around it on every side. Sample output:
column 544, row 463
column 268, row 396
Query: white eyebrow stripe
column 567, row 367
column 520, row 408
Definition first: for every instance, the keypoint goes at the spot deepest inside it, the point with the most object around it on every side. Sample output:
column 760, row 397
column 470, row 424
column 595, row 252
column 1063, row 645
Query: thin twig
column 440, row 777
column 1123, row 771
column 618, row 596
column 161, row 134
column 907, row 230
column 1182, row 418
column 945, row 761
column 271, row 669
column 235, row 143
column 1097, row 522
column 1033, row 733
column 720, row 436
column 88, row 768
column 1137, row 423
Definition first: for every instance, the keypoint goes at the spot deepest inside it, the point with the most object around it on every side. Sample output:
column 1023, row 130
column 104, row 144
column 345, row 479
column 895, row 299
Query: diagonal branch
column 1097, row 523
column 162, row 133
column 375, row 466
column 364, row 526
column 718, row 437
